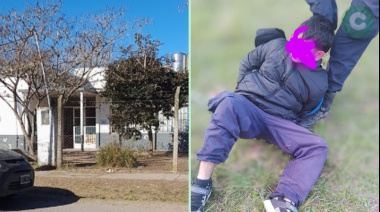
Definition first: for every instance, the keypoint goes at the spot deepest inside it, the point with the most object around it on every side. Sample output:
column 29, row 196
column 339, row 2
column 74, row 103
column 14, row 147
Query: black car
column 16, row 174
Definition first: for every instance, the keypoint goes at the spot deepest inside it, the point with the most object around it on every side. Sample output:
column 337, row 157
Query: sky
column 169, row 18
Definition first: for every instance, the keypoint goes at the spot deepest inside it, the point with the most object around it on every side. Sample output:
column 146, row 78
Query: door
column 89, row 133
column 76, row 128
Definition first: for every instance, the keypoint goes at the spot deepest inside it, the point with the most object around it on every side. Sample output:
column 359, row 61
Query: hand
column 322, row 113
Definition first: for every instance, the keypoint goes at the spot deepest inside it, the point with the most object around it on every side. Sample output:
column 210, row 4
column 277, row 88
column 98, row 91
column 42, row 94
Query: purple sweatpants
column 235, row 117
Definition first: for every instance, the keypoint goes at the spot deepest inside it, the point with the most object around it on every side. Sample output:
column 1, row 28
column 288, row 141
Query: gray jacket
column 272, row 81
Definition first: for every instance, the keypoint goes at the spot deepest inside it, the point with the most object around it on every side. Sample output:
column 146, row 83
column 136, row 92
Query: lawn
column 81, row 179
column 222, row 33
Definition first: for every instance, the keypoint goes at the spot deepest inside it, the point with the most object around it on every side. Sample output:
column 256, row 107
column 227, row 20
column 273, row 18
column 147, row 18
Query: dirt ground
column 114, row 189
column 117, row 189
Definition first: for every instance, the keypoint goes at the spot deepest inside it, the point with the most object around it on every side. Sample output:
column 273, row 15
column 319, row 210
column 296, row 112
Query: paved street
column 30, row 202
column 62, row 200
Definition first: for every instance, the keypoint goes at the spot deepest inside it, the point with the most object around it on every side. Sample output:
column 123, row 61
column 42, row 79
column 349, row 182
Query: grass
column 114, row 155
column 222, row 33
column 114, row 189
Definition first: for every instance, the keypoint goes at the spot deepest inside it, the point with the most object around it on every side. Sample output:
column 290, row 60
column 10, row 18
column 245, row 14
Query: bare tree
column 20, row 76
column 183, row 6
column 69, row 50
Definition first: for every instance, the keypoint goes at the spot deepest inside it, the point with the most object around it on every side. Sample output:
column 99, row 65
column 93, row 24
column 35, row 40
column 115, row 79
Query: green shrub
column 114, row 155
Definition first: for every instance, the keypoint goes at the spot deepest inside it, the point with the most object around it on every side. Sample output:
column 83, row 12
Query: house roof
column 93, row 81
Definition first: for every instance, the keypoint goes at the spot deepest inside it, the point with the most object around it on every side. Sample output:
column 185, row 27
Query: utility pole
column 176, row 118
column 56, row 153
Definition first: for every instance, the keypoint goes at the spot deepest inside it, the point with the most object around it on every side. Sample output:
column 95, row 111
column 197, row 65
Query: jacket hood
column 267, row 34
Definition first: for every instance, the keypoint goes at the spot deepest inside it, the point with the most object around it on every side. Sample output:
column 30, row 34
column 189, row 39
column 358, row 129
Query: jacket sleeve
column 251, row 62
column 326, row 8
column 256, row 57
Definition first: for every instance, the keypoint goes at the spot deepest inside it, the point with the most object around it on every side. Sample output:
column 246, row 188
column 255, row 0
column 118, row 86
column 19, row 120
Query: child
column 275, row 91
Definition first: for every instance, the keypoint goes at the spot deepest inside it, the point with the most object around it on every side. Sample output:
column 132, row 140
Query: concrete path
column 114, row 175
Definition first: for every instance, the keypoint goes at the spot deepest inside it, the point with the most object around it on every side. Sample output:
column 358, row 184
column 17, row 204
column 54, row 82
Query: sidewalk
column 113, row 175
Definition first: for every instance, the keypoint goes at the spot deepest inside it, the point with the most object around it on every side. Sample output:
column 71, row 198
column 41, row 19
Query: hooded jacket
column 272, row 81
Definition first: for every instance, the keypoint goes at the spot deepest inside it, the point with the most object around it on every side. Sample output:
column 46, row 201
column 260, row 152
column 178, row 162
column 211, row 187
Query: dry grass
column 159, row 162
column 119, row 189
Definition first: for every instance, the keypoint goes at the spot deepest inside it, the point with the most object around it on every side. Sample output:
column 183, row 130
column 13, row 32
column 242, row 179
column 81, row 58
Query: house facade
column 11, row 134
column 85, row 115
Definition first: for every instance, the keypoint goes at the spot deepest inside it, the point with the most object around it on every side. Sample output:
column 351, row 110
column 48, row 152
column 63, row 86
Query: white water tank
column 179, row 61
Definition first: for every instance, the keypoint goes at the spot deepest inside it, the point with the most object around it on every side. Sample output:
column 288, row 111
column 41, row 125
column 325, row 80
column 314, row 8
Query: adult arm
column 359, row 26
column 326, row 8
column 351, row 40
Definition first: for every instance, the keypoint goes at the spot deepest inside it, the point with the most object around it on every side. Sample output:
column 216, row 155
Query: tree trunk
column 32, row 138
column 27, row 136
column 29, row 142
column 59, row 132
column 150, row 143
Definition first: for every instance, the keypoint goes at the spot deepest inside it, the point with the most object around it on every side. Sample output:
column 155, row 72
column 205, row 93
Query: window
column 183, row 119
column 45, row 119
column 90, row 116
column 167, row 125
column 113, row 129
column 90, row 101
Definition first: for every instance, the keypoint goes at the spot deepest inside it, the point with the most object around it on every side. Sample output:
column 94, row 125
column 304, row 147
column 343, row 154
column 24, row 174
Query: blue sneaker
column 200, row 195
column 278, row 204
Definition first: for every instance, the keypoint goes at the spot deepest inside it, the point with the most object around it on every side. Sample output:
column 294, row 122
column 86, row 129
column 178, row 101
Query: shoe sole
column 268, row 206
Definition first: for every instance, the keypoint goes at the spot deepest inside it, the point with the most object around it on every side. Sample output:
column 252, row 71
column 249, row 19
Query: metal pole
column 81, row 120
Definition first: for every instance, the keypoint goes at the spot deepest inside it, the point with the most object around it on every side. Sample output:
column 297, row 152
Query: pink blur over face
column 302, row 50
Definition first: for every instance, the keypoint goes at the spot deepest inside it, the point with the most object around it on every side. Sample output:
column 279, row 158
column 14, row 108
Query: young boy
column 275, row 91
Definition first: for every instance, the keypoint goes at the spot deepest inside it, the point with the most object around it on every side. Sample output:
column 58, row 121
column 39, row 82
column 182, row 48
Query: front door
column 89, row 133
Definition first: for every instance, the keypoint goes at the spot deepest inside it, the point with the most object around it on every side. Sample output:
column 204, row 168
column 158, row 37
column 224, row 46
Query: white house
column 11, row 135
column 86, row 110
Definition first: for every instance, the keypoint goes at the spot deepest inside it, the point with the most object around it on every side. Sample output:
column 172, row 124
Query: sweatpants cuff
column 208, row 159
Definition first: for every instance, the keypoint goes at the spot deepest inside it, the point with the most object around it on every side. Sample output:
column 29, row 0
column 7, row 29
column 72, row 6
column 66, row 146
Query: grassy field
column 222, row 33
